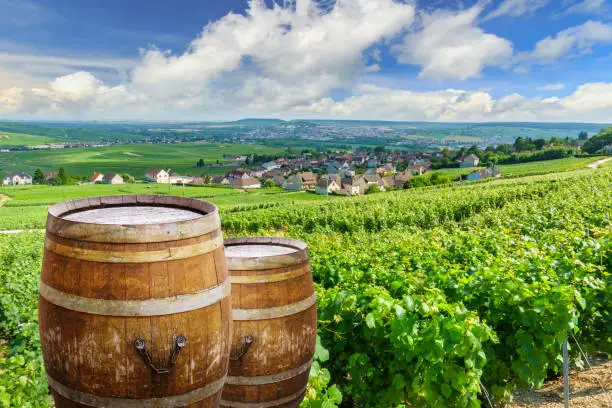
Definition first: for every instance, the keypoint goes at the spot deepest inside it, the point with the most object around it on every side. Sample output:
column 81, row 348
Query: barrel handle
column 141, row 348
column 248, row 341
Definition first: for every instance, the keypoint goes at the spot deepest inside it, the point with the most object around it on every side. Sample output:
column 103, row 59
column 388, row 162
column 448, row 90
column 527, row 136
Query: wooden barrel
column 274, row 322
column 134, row 307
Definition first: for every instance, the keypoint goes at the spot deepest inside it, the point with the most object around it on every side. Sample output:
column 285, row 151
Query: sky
column 189, row 60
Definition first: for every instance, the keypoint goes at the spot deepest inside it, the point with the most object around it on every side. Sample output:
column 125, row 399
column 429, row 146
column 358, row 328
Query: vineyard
column 426, row 297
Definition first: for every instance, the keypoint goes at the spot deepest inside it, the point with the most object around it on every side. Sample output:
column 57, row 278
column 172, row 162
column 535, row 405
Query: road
column 598, row 163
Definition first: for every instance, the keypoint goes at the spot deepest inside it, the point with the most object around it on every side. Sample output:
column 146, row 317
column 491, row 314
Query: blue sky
column 445, row 60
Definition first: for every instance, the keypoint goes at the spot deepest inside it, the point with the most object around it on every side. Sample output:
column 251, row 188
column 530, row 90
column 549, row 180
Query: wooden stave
column 218, row 271
column 272, row 394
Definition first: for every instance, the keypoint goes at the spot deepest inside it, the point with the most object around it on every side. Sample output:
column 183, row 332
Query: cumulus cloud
column 450, row 45
column 516, row 8
column 579, row 40
column 590, row 102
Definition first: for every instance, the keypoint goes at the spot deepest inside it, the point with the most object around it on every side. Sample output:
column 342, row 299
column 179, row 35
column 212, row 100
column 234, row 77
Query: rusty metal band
column 267, row 404
column 274, row 312
column 130, row 308
column 269, row 379
column 169, row 254
column 273, row 277
column 172, row 401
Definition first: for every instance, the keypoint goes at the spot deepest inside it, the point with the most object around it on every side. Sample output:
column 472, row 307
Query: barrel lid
column 257, row 253
column 132, row 218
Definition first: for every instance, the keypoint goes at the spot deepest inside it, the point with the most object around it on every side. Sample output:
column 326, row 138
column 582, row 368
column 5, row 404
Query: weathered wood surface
column 273, row 303
column 132, row 215
column 91, row 311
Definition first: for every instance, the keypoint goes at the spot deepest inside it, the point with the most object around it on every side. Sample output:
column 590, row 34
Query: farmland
column 22, row 139
column 423, row 294
column 133, row 159
column 28, row 205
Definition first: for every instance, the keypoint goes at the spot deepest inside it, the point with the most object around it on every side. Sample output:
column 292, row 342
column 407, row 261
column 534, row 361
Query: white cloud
column 450, row 46
column 551, row 87
column 265, row 59
column 587, row 7
column 515, row 8
column 579, row 39
column 590, row 102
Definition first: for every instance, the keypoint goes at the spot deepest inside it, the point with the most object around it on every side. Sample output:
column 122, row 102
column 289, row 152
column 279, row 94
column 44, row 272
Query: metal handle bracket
column 141, row 348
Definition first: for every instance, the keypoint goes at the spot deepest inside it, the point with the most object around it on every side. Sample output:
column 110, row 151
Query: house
column 156, row 175
column 372, row 163
column 246, row 183
column 50, row 177
column 305, row 180
column 350, row 186
column 327, row 186
column 220, row 180
column 278, row 180
column 417, row 169
column 402, row 178
column 271, row 165
column 239, row 173
column 367, row 180
column 257, row 172
column 347, row 172
column 483, row 174
column 112, row 178
column 471, row 160
column 16, row 179
column 389, row 168
column 176, row 178
column 198, row 181
column 96, row 178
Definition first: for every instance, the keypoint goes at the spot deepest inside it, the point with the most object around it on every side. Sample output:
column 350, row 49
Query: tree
column 207, row 179
column 62, row 177
column 379, row 149
column 599, row 142
column 583, row 135
column 269, row 183
column 539, row 143
column 372, row 189
column 39, row 177
column 200, row 163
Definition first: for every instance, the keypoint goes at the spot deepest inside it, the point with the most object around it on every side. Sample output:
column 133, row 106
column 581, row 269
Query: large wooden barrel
column 274, row 322
column 134, row 303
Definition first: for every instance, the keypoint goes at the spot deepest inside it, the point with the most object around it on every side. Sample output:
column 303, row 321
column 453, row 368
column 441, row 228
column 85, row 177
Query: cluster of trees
column 434, row 179
column 602, row 142
column 521, row 151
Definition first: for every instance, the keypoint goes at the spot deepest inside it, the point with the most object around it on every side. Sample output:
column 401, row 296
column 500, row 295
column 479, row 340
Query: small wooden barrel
column 274, row 322
column 134, row 307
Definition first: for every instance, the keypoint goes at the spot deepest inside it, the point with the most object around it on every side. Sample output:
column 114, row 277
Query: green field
column 28, row 205
column 527, row 169
column 133, row 159
column 424, row 296
column 22, row 139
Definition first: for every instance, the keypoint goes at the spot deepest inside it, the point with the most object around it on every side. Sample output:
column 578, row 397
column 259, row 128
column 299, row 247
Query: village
column 345, row 173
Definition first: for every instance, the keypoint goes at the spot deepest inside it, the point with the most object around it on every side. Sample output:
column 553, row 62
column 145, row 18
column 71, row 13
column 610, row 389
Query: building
column 350, row 186
column 238, row 174
column 15, row 179
column 96, row 178
column 220, row 180
column 327, row 186
column 246, row 183
column 301, row 181
column 271, row 165
column 156, row 175
column 367, row 180
column 50, row 177
column 483, row 174
column 471, row 160
column 112, row 178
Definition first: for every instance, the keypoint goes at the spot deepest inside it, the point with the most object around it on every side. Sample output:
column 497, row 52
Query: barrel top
column 250, row 251
column 132, row 218
column 257, row 253
column 132, row 215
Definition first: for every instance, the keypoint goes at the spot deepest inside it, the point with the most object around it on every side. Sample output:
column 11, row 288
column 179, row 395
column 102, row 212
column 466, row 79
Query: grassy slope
column 29, row 204
column 527, row 169
column 23, row 139
column 180, row 157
